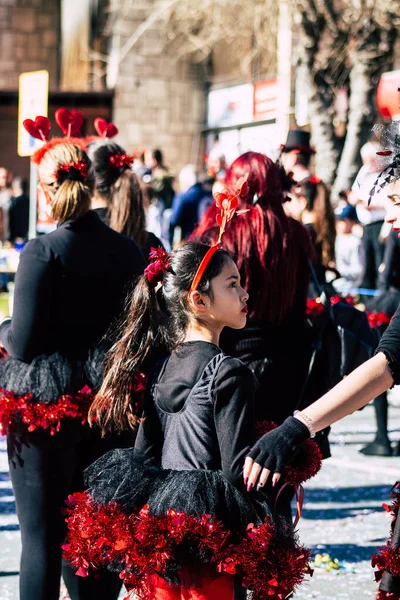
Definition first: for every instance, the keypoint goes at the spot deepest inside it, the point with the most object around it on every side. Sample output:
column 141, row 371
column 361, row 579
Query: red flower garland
column 142, row 544
column 305, row 465
column 15, row 410
column 387, row 596
column 388, row 557
column 315, row 307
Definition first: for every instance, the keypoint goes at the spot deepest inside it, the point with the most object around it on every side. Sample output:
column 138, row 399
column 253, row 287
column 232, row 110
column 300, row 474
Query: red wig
column 270, row 249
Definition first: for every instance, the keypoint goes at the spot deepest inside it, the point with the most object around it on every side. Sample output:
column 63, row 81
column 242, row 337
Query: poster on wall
column 266, row 99
column 230, row 106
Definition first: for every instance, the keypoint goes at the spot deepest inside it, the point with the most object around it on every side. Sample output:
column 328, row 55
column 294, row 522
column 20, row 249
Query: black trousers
column 44, row 471
column 373, row 250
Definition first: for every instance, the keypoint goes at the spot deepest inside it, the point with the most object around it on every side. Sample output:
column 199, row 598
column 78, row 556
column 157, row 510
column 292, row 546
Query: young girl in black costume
column 172, row 515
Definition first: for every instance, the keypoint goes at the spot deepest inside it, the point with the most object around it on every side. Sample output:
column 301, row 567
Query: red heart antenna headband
column 227, row 204
column 70, row 123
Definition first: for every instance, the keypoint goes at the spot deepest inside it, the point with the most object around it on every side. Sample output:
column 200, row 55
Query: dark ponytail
column 154, row 320
column 120, row 188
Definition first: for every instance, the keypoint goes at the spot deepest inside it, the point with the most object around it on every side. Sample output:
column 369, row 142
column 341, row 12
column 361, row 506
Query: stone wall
column 159, row 101
column 29, row 39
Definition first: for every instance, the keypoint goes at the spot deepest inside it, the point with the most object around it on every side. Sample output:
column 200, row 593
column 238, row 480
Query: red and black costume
column 69, row 288
column 174, row 509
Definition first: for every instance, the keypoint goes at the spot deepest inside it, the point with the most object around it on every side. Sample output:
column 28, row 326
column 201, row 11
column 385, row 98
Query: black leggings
column 44, row 471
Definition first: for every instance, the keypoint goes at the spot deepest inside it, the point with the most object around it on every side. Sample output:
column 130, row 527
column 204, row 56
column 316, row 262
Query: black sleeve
column 149, row 439
column 234, row 415
column 390, row 346
column 25, row 336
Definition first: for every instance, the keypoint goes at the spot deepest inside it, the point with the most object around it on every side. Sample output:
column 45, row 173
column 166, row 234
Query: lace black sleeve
column 390, row 346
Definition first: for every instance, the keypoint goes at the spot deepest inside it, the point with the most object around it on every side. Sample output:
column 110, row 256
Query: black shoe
column 377, row 449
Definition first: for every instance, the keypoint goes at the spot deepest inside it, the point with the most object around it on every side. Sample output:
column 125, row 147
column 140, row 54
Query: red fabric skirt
column 209, row 588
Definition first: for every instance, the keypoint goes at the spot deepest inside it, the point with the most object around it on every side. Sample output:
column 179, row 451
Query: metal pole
column 33, row 201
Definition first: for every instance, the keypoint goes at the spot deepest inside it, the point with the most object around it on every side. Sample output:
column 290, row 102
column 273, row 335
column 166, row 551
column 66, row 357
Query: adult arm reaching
column 277, row 448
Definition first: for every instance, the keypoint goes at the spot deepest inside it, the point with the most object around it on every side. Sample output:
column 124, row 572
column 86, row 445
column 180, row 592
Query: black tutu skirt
column 141, row 520
column 40, row 394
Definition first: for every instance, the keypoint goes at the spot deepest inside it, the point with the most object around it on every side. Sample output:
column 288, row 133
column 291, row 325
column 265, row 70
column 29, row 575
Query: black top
column 199, row 412
column 390, row 346
column 70, row 285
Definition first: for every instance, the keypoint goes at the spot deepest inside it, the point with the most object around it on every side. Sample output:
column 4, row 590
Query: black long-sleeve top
column 199, row 412
column 390, row 346
column 70, row 285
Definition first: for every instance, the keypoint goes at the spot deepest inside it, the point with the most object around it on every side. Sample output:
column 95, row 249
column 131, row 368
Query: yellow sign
column 32, row 102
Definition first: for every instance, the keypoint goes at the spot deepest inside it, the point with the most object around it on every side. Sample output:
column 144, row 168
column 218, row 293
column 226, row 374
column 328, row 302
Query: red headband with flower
column 227, row 204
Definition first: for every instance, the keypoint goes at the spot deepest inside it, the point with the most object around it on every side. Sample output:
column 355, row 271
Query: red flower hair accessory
column 75, row 171
column 227, row 204
column 159, row 262
column 315, row 180
column 121, row 161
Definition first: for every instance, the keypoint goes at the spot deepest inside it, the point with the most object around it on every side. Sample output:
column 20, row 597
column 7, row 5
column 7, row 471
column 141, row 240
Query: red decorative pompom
column 378, row 319
column 77, row 170
column 121, row 161
column 159, row 261
column 315, row 180
column 305, row 465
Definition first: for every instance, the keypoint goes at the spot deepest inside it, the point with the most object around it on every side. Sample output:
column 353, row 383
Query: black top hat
column 299, row 140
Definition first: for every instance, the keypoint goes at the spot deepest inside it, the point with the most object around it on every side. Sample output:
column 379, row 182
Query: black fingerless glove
column 278, row 447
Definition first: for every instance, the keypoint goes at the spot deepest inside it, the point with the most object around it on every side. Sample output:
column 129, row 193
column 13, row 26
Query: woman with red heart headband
column 70, row 286
column 172, row 515
column 118, row 196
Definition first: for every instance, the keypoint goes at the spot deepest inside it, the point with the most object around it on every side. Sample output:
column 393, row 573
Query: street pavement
column 342, row 516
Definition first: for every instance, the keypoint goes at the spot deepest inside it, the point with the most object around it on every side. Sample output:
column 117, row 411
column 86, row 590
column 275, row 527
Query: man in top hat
column 296, row 154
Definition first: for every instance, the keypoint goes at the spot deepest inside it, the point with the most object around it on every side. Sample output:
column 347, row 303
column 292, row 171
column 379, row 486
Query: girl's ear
column 198, row 302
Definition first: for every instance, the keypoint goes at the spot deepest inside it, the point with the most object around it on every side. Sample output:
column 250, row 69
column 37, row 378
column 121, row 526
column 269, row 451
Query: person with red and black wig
column 276, row 449
column 69, row 288
column 272, row 252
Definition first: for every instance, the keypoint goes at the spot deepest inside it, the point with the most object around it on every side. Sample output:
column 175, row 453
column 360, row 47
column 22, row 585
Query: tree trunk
column 361, row 117
column 371, row 54
column 321, row 108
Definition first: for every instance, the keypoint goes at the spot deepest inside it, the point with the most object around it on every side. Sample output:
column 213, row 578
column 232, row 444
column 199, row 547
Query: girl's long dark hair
column 319, row 203
column 153, row 320
column 121, row 189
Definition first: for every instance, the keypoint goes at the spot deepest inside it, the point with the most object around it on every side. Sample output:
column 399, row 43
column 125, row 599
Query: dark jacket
column 70, row 286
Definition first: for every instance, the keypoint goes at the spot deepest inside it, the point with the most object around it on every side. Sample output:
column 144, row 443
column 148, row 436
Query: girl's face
column 393, row 206
column 228, row 305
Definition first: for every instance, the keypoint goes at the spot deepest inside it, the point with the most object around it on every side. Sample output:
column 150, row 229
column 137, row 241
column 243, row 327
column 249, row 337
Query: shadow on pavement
column 348, row 494
column 348, row 552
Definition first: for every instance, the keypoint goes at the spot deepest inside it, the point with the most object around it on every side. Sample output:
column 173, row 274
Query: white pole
column 33, row 201
column 284, row 70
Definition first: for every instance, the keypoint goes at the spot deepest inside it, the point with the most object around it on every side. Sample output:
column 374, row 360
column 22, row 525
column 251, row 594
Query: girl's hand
column 273, row 452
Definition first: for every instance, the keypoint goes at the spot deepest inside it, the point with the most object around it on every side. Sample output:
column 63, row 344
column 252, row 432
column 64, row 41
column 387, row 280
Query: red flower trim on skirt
column 141, row 544
column 16, row 410
column 305, row 465
column 388, row 557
